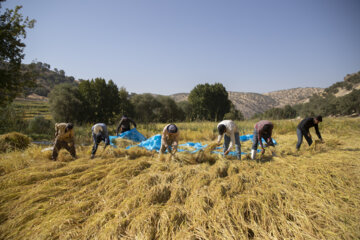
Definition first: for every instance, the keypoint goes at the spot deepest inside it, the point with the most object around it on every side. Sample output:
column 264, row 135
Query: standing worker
column 303, row 130
column 169, row 138
column 99, row 133
column 263, row 129
column 231, row 132
column 124, row 124
column 64, row 138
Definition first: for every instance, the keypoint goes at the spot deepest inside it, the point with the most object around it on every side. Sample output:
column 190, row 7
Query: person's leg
column 238, row 145
column 56, row 149
column 70, row 147
column 226, row 142
column 255, row 144
column 308, row 139
column 255, row 140
column 300, row 138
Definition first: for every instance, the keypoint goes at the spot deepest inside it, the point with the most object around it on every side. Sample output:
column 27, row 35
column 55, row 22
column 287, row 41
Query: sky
column 170, row 46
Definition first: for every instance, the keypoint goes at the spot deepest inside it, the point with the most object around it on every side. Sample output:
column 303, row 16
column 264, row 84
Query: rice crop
column 313, row 193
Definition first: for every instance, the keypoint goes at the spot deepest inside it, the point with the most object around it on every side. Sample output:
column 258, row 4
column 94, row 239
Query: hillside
column 251, row 103
column 351, row 81
column 134, row 194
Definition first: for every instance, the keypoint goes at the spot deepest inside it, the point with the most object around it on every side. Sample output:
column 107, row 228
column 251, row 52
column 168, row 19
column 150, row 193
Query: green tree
column 209, row 102
column 169, row 110
column 147, row 107
column 12, row 32
column 125, row 106
column 234, row 114
column 66, row 103
column 101, row 100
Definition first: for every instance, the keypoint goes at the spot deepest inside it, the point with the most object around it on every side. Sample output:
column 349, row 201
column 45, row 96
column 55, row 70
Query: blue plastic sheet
column 154, row 143
column 132, row 135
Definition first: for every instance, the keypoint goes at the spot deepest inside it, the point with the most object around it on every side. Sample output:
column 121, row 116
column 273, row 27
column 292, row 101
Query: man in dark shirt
column 303, row 130
column 124, row 124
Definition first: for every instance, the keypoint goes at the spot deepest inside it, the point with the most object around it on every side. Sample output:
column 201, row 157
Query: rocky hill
column 251, row 103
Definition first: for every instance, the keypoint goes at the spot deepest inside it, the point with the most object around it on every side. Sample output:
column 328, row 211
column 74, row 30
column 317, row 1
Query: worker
column 64, row 138
column 124, row 124
column 303, row 130
column 169, row 139
column 99, row 133
column 263, row 129
column 231, row 138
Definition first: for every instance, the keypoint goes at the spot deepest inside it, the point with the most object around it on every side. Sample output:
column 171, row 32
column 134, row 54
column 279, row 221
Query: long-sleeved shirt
column 100, row 129
column 264, row 129
column 63, row 134
column 307, row 123
column 168, row 138
column 231, row 129
column 124, row 125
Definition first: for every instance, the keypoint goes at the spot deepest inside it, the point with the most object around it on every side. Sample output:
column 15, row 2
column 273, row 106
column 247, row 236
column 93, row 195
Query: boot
column 253, row 154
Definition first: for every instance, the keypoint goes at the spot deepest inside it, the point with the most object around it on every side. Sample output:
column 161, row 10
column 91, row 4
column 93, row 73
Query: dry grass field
column 135, row 194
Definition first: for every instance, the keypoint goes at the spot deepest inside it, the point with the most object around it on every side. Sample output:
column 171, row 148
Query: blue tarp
column 154, row 143
column 132, row 135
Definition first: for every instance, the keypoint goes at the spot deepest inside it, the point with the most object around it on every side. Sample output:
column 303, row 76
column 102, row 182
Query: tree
column 12, row 32
column 66, row 103
column 234, row 114
column 101, row 100
column 146, row 107
column 125, row 106
column 209, row 102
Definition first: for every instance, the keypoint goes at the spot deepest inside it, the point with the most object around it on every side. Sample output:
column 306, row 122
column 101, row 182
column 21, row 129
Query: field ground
column 135, row 194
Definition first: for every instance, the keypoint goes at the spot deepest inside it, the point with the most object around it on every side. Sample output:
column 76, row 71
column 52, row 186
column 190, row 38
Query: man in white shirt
column 231, row 138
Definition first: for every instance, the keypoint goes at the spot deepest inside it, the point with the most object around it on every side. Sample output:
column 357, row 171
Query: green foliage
column 66, row 103
column 209, row 102
column 100, row 100
column 234, row 114
column 125, row 106
column 11, row 120
column 13, row 140
column 286, row 112
column 12, row 32
column 40, row 125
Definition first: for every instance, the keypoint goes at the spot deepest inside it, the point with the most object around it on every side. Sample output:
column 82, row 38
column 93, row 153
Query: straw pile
column 120, row 194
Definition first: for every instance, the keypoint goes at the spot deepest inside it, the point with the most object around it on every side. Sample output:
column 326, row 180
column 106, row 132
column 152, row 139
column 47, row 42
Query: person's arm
column 118, row 127
column 260, row 134
column 132, row 122
column 317, row 131
column 219, row 138
column 164, row 137
column 232, row 142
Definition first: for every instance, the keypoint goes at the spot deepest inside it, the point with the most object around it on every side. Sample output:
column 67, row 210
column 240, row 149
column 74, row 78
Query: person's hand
column 309, row 135
column 226, row 152
column 322, row 140
column 263, row 151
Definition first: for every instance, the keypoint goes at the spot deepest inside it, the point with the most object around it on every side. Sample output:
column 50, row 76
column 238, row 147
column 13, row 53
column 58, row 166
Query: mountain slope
column 251, row 103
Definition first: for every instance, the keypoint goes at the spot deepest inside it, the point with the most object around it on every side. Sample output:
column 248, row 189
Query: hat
column 172, row 128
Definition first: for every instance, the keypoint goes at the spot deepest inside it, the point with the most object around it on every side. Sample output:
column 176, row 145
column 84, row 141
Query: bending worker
column 124, row 124
column 64, row 138
column 231, row 132
column 99, row 133
column 169, row 139
column 263, row 129
column 303, row 130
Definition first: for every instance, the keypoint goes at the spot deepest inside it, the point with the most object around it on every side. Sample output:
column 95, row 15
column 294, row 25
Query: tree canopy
column 12, row 32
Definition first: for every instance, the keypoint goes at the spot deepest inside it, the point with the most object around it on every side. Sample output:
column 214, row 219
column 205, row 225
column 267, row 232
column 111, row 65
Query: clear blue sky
column 169, row 46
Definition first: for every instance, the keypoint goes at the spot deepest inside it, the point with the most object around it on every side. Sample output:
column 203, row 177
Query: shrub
column 13, row 140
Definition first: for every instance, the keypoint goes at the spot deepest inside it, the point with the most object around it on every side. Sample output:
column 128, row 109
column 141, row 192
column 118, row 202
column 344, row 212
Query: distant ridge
column 251, row 103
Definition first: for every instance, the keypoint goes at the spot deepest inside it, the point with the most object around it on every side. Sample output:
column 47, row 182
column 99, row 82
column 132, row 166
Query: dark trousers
column 59, row 144
column 227, row 140
column 300, row 135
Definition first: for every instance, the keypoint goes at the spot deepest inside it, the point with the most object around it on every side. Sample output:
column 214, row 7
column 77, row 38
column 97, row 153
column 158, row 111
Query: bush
column 39, row 125
column 13, row 140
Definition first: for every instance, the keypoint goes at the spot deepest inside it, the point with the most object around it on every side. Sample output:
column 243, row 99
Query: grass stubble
column 135, row 194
